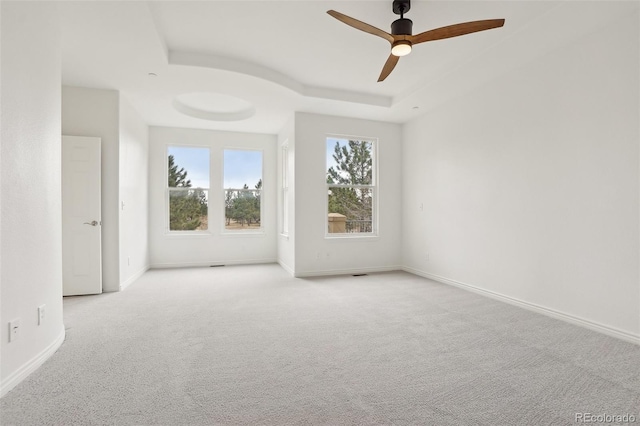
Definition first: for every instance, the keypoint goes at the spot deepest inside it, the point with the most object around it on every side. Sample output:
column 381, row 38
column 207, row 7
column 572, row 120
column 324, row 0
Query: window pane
column 243, row 189
column 188, row 209
column 242, row 168
column 349, row 162
column 284, row 228
column 350, row 210
column 242, row 209
column 188, row 167
column 350, row 185
column 188, row 183
column 285, row 212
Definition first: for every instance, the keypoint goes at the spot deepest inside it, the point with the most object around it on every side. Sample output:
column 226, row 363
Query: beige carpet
column 252, row 345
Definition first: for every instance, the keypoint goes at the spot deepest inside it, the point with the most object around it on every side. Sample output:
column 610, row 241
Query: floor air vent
column 359, row 275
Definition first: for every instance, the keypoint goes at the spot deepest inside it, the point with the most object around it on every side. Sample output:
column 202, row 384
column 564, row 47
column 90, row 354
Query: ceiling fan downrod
column 401, row 26
column 400, row 7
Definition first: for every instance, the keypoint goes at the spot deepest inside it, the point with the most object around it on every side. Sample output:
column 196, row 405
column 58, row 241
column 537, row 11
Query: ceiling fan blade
column 361, row 25
column 456, row 30
column 388, row 67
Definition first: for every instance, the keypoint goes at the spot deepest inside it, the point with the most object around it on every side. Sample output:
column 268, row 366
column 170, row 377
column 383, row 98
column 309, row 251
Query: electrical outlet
column 14, row 330
column 41, row 314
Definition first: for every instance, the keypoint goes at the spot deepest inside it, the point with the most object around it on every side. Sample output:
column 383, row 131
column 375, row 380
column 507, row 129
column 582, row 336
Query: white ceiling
column 275, row 57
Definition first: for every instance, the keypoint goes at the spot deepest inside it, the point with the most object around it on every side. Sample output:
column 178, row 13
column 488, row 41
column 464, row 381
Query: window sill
column 188, row 234
column 234, row 234
column 351, row 237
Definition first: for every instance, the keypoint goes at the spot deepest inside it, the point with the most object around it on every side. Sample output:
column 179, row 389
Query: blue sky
column 195, row 161
column 331, row 143
column 240, row 166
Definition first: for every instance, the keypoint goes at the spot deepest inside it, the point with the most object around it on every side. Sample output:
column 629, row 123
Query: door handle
column 92, row 223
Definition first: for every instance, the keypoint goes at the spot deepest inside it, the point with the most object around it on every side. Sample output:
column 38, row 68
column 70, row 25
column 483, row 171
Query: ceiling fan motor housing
column 402, row 26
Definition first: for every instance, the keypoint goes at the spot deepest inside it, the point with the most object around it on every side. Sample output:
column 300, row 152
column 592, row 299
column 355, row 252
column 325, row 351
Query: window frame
column 240, row 232
column 168, row 190
column 374, row 234
column 284, row 189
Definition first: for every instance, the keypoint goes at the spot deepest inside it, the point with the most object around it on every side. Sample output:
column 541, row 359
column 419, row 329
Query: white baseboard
column 592, row 325
column 134, row 277
column 211, row 263
column 321, row 273
column 286, row 267
column 32, row 365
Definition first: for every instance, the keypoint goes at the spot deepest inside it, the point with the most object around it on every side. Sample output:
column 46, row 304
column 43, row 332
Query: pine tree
column 255, row 211
column 186, row 207
column 177, row 178
column 228, row 206
column 354, row 166
column 243, row 206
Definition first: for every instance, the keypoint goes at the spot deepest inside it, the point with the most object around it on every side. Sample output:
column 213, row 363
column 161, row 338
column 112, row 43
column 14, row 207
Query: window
column 284, row 225
column 242, row 190
column 350, row 186
column 188, row 188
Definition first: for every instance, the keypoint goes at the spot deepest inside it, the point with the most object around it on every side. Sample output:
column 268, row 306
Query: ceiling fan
column 401, row 38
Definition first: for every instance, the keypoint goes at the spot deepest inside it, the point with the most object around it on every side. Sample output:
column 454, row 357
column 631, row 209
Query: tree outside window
column 350, row 186
column 243, row 207
column 188, row 197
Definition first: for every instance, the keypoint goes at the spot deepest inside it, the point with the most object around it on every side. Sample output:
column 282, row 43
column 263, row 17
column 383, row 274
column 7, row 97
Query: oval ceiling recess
column 213, row 106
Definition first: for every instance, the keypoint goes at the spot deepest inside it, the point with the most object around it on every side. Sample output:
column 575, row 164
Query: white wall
column 286, row 242
column 317, row 255
column 530, row 184
column 30, row 200
column 95, row 112
column 214, row 247
column 134, row 194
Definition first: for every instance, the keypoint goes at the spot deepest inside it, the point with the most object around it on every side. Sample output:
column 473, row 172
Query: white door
column 81, row 223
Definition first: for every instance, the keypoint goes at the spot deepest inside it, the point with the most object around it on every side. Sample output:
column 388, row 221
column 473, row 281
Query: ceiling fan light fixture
column 401, row 48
